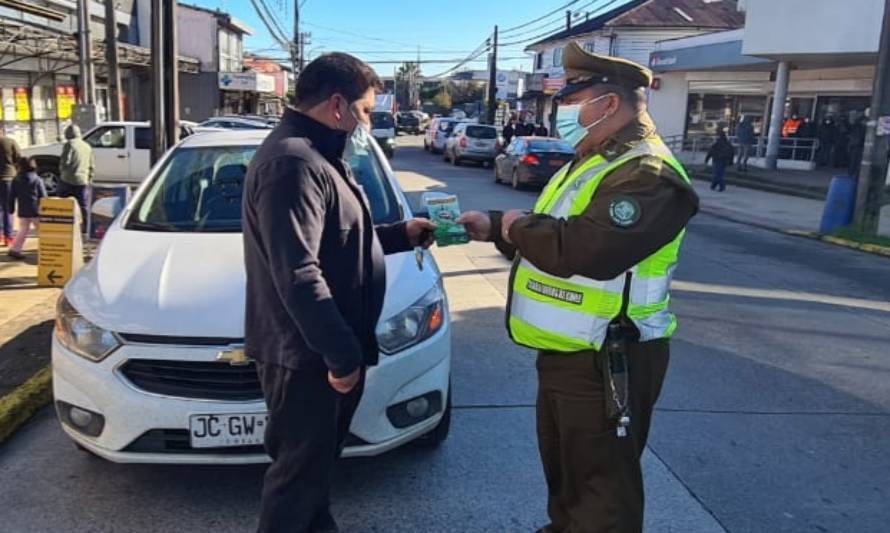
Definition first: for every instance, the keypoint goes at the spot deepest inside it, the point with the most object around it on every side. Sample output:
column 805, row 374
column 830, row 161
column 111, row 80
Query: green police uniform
column 599, row 249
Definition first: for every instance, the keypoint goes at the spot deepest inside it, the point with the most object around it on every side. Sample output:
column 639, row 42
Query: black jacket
column 721, row 151
column 315, row 270
column 27, row 190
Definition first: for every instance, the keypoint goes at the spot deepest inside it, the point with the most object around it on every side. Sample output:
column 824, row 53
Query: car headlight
column 415, row 324
column 390, row 140
column 81, row 336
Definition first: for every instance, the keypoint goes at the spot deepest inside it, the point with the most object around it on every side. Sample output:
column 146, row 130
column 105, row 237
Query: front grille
column 192, row 379
column 177, row 441
column 139, row 338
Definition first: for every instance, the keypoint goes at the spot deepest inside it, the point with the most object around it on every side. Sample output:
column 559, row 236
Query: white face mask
column 568, row 121
column 360, row 137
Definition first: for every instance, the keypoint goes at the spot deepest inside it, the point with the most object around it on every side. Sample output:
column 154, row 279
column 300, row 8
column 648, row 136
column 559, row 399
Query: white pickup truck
column 122, row 151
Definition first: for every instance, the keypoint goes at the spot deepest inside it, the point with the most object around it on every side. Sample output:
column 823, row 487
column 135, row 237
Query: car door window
column 108, row 137
column 142, row 138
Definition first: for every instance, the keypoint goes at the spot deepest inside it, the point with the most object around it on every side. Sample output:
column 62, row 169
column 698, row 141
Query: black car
column 408, row 122
column 532, row 161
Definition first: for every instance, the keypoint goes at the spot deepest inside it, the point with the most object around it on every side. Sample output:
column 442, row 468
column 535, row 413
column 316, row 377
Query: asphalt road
column 775, row 416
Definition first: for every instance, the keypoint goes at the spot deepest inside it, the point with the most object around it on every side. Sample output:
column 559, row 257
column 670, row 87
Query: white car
column 147, row 362
column 437, row 135
column 236, row 123
column 121, row 150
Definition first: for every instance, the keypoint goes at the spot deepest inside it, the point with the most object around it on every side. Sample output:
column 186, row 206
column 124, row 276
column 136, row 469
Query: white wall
column 667, row 105
column 791, row 27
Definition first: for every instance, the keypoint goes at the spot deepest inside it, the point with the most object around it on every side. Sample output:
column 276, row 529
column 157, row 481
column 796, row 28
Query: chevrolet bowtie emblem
column 234, row 355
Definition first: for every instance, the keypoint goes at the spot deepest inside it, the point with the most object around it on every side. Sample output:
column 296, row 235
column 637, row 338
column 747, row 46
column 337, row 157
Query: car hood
column 192, row 285
column 43, row 149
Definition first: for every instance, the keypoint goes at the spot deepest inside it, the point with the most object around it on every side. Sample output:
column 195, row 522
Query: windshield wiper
column 150, row 226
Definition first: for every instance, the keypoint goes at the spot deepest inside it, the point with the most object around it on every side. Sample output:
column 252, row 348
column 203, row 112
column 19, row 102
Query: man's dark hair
column 27, row 164
column 334, row 73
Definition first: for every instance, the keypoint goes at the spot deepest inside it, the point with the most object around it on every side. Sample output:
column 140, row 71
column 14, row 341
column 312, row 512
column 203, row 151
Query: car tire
column 51, row 179
column 514, row 180
column 438, row 434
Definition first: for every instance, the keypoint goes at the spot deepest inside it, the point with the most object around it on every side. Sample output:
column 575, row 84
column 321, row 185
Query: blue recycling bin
column 839, row 204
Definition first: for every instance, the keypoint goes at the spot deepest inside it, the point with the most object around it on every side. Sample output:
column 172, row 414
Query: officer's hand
column 507, row 221
column 346, row 383
column 477, row 224
column 420, row 232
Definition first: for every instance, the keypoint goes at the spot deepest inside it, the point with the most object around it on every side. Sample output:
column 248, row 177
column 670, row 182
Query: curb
column 808, row 193
column 874, row 249
column 21, row 404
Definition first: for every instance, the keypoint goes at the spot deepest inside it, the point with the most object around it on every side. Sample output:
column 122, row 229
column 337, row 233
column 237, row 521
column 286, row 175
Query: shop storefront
column 242, row 93
column 35, row 108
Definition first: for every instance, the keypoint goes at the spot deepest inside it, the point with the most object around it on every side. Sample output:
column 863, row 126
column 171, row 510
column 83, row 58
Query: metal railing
column 793, row 148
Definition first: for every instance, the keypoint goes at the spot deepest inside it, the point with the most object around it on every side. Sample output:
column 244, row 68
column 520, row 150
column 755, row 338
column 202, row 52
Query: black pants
column 5, row 216
column 594, row 478
column 308, row 425
column 79, row 193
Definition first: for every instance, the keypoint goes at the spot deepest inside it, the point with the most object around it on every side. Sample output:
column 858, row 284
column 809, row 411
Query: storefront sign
column 60, row 249
column 66, row 100
column 553, row 85
column 246, row 81
column 22, row 105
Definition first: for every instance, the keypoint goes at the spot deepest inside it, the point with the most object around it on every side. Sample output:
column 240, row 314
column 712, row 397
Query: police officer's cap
column 585, row 69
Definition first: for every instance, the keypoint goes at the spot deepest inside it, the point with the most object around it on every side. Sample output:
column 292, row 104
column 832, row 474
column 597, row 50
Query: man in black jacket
column 315, row 285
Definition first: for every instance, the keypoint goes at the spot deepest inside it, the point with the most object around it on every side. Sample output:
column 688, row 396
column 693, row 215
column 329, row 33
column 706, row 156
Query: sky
column 387, row 32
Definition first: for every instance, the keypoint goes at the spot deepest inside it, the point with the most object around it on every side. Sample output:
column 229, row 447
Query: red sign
column 553, row 85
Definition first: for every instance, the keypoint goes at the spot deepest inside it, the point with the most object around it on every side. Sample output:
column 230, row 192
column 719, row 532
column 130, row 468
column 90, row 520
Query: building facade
column 630, row 31
column 822, row 78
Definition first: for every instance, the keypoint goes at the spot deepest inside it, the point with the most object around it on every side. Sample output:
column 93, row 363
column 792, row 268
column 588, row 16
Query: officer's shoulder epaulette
column 650, row 164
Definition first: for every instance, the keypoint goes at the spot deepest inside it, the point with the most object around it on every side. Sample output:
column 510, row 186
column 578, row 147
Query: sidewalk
column 770, row 210
column 26, row 322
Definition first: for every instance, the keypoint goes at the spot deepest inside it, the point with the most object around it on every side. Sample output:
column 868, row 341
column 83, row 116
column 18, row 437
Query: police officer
column 590, row 291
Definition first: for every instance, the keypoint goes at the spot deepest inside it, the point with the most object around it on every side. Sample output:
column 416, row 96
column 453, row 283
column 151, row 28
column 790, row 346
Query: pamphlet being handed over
column 444, row 212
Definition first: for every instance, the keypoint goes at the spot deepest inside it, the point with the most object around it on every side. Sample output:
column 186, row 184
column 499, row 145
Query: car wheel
column 438, row 435
column 50, row 177
column 515, row 180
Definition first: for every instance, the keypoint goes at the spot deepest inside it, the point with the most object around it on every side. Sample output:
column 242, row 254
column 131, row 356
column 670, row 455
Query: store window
column 709, row 113
column 557, row 57
column 230, row 51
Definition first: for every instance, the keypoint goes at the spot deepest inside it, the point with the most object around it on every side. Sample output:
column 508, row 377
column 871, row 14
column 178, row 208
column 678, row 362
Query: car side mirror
column 107, row 207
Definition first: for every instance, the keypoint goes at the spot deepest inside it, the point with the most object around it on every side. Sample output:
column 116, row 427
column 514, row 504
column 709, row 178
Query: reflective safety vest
column 572, row 314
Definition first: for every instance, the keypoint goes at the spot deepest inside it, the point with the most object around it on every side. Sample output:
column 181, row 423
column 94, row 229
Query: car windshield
column 482, row 132
column 550, row 146
column 199, row 191
column 447, row 126
column 382, row 121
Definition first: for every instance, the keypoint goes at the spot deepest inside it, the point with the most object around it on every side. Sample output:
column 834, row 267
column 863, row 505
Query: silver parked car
column 472, row 142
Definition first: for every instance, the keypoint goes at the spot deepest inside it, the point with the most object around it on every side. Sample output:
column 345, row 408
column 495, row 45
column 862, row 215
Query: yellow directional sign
column 60, row 249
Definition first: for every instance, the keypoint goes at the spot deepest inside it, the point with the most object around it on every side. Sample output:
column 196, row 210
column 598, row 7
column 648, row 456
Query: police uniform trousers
column 307, row 428
column 594, row 478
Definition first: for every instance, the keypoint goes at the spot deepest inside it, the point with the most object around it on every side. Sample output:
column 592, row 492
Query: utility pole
column 297, row 54
column 87, row 80
column 111, row 57
column 302, row 50
column 873, row 172
column 158, row 146
column 171, row 74
column 493, row 78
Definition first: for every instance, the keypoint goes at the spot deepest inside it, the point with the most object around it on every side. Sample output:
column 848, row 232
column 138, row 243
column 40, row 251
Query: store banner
column 22, row 104
column 66, row 101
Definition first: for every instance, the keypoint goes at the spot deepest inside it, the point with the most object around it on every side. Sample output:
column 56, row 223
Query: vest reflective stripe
column 573, row 314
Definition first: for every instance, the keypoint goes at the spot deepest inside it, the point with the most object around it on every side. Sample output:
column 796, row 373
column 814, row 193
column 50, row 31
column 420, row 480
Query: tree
column 408, row 81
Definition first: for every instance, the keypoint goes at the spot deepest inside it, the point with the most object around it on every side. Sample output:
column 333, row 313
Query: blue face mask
column 359, row 141
column 568, row 121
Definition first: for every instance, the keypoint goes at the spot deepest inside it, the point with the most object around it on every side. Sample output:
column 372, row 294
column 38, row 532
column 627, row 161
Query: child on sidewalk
column 27, row 190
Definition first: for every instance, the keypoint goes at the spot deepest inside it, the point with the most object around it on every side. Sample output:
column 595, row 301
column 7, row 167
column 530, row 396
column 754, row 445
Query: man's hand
column 420, row 232
column 346, row 383
column 477, row 224
column 507, row 221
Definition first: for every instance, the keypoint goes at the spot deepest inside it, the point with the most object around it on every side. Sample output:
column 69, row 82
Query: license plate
column 481, row 145
column 557, row 163
column 219, row 431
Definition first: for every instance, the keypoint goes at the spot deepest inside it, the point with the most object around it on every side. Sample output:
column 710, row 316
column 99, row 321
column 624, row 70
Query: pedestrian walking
column 722, row 154
column 9, row 160
column 77, row 168
column 509, row 132
column 315, row 285
column 827, row 138
column 541, row 131
column 27, row 190
column 747, row 139
column 590, row 291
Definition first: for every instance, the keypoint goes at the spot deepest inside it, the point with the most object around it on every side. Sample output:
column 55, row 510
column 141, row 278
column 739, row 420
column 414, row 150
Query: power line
column 278, row 38
column 273, row 18
column 553, row 32
column 542, row 17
